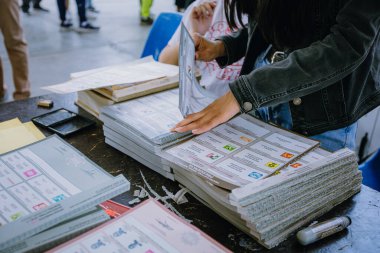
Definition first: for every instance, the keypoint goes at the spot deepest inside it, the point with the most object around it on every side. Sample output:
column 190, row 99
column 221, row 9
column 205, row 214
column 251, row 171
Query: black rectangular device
column 63, row 121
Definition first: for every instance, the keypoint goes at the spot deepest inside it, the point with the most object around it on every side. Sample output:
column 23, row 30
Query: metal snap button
column 297, row 101
column 247, row 106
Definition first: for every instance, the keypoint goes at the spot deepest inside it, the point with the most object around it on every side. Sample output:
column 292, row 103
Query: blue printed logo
column 59, row 198
column 98, row 244
column 134, row 244
column 119, row 232
column 255, row 175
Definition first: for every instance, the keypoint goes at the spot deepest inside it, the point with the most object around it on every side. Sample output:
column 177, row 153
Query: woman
column 323, row 73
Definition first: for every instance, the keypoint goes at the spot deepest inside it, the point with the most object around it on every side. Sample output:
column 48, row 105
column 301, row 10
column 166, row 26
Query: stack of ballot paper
column 237, row 168
column 49, row 193
column 276, row 207
column 130, row 75
column 271, row 209
column 149, row 227
column 141, row 127
column 104, row 86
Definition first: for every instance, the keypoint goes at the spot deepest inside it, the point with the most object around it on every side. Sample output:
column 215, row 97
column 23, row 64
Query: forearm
column 323, row 63
column 234, row 45
column 169, row 54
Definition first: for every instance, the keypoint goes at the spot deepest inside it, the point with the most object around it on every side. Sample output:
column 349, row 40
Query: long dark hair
column 283, row 23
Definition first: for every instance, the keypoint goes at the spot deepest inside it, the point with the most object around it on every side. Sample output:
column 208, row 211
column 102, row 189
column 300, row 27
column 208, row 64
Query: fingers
column 207, row 10
column 204, row 50
column 197, row 39
column 190, row 118
column 196, row 12
column 203, row 123
column 207, row 127
column 218, row 112
column 204, row 10
column 199, row 45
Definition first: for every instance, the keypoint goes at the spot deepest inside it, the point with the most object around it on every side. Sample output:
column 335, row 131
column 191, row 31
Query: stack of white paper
column 273, row 208
column 141, row 127
column 49, row 191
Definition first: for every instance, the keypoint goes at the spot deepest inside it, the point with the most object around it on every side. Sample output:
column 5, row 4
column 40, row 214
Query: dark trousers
column 26, row 4
column 81, row 4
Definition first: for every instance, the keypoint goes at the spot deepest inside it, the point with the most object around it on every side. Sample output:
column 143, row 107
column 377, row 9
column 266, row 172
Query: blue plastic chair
column 162, row 30
column 371, row 171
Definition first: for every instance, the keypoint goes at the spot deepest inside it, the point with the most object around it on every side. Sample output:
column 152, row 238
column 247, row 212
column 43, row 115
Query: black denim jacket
column 329, row 84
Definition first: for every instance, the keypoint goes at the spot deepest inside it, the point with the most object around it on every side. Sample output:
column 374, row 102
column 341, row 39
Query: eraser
column 47, row 103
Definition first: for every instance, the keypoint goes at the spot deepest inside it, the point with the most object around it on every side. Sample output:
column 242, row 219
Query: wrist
column 232, row 102
column 220, row 49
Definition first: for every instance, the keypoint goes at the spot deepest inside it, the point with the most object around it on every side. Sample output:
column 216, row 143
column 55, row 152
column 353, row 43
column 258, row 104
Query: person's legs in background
column 25, row 6
column 84, row 25
column 145, row 18
column 62, row 9
column 37, row 6
column 16, row 47
column 90, row 6
column 2, row 84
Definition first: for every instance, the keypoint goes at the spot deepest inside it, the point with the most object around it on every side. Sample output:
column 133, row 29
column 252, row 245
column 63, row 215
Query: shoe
column 25, row 9
column 86, row 27
column 146, row 20
column 18, row 95
column 66, row 25
column 39, row 8
column 91, row 15
column 93, row 9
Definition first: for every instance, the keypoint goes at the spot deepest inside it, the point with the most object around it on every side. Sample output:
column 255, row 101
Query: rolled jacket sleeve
column 310, row 69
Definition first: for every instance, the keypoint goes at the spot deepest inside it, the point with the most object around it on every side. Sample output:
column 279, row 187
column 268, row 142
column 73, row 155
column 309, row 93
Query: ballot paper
column 149, row 227
column 150, row 117
column 120, row 75
column 46, row 183
column 238, row 152
column 192, row 96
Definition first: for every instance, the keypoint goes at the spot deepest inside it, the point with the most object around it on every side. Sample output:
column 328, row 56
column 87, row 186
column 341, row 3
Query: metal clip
column 278, row 56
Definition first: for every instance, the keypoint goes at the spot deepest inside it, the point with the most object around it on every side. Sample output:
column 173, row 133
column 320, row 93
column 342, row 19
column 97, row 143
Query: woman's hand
column 218, row 112
column 207, row 50
column 201, row 17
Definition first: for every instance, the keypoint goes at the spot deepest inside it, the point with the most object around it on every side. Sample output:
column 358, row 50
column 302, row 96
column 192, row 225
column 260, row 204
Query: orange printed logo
column 287, row 155
column 246, row 139
column 296, row 165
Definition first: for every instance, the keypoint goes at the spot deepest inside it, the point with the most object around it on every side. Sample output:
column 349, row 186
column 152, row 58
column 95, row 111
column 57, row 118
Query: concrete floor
column 53, row 54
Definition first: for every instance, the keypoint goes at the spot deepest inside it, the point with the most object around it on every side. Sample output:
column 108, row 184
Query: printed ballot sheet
column 149, row 227
column 238, row 152
column 118, row 75
column 151, row 116
column 192, row 96
column 42, row 175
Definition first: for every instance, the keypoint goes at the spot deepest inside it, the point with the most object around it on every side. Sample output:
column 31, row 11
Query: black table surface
column 363, row 235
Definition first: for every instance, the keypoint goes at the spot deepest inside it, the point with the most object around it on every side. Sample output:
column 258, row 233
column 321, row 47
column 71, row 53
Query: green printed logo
column 15, row 216
column 229, row 147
